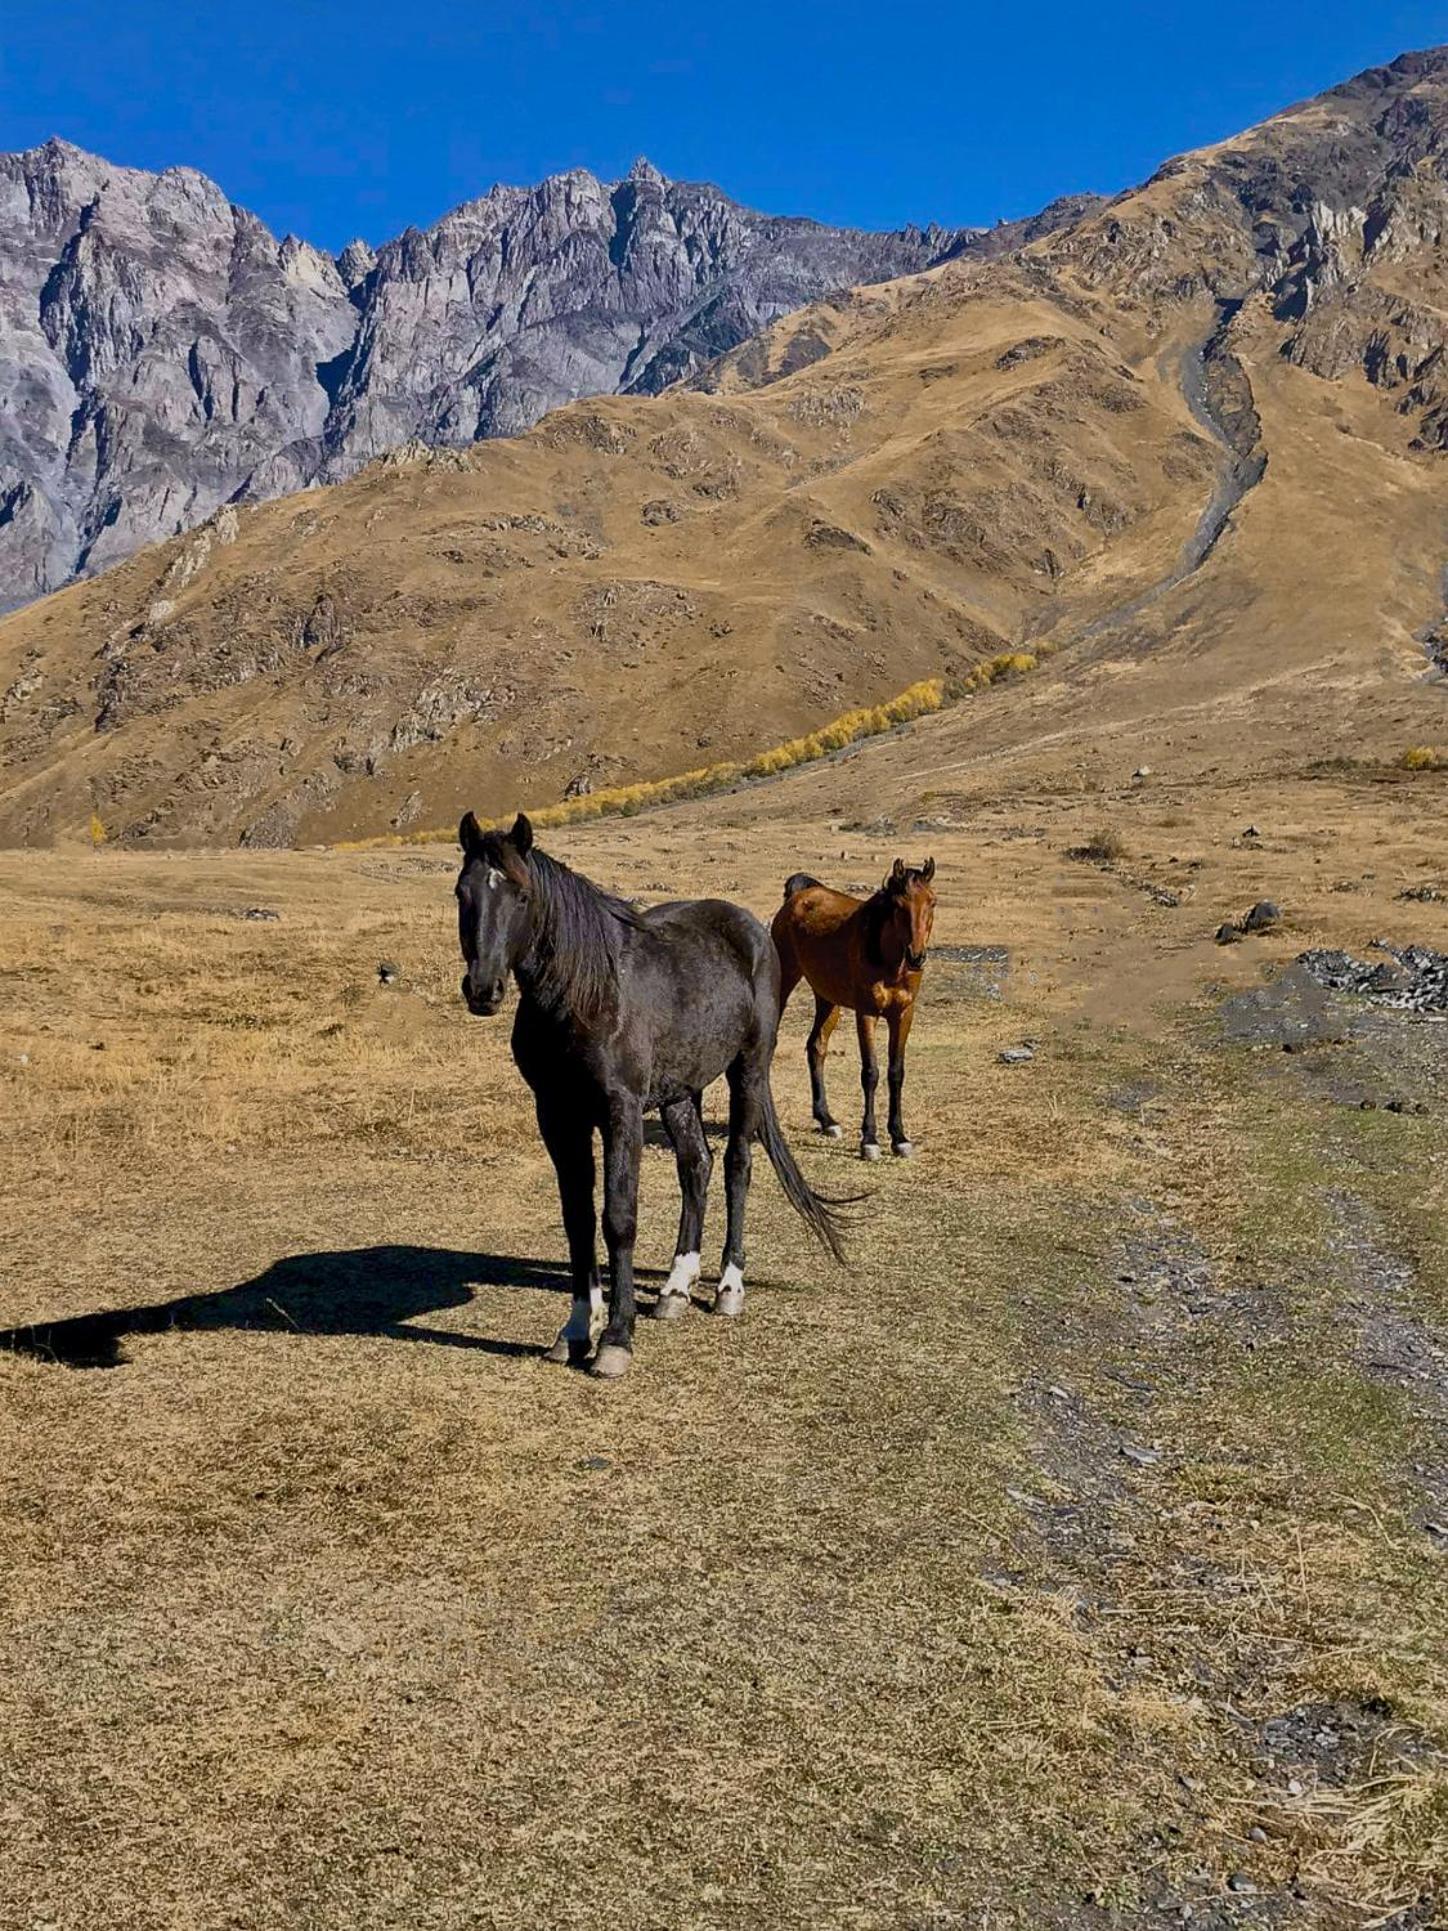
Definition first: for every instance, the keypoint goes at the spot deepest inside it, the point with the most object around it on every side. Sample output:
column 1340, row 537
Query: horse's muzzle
column 482, row 1005
column 915, row 960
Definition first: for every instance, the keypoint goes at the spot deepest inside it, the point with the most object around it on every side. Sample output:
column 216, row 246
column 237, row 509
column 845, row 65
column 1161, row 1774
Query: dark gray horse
column 622, row 1010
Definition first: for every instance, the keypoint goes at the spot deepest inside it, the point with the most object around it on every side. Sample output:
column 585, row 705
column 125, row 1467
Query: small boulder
column 1229, row 934
column 1016, row 1055
column 1262, row 917
column 387, row 972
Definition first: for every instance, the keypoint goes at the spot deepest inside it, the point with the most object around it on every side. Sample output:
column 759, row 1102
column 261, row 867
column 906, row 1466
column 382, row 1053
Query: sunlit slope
column 1193, row 441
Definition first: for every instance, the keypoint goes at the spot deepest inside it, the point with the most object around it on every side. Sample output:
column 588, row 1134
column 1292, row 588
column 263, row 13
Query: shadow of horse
column 362, row 1291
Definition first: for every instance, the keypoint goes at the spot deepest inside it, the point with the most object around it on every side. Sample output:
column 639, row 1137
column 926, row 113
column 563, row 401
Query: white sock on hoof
column 682, row 1275
column 585, row 1318
column 730, row 1298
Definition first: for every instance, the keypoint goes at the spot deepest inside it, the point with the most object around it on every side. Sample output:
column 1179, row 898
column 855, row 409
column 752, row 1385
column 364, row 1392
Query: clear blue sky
column 340, row 117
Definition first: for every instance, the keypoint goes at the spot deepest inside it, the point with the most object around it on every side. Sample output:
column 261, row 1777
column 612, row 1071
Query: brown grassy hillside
column 1227, row 377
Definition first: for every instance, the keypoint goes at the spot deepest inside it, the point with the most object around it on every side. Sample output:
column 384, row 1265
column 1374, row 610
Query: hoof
column 869, row 1150
column 569, row 1351
column 831, row 1132
column 729, row 1301
column 902, row 1149
column 610, row 1362
column 671, row 1307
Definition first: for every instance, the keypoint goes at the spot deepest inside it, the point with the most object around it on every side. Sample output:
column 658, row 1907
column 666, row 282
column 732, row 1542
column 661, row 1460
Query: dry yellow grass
column 625, row 800
column 329, row 1603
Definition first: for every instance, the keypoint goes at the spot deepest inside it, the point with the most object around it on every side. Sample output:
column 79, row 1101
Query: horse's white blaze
column 494, row 877
column 682, row 1275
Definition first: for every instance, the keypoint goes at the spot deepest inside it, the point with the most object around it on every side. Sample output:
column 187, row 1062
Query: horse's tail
column 798, row 882
column 821, row 1216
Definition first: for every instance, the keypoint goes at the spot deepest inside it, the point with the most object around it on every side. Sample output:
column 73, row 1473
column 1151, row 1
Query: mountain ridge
column 164, row 353
column 1146, row 437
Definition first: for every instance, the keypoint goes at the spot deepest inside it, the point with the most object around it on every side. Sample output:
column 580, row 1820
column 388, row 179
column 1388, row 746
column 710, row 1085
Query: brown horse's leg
column 826, row 1018
column 869, row 1080
column 898, row 1022
column 684, row 1124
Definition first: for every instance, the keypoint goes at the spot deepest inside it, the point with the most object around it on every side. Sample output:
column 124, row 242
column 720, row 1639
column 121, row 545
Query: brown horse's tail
column 821, row 1216
column 798, row 882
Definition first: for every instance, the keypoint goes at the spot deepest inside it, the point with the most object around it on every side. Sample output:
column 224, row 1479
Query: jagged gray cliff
column 161, row 353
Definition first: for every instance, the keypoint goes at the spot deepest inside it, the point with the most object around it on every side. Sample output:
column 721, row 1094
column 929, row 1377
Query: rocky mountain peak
column 162, row 353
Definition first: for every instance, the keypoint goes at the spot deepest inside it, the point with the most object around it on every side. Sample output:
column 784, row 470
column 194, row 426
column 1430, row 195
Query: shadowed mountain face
column 161, row 353
column 1160, row 424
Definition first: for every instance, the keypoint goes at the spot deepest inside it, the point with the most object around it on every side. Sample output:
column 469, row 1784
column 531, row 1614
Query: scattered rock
column 1229, row 934
column 1140, row 1457
column 1016, row 1055
column 259, row 912
column 1262, row 917
column 828, row 536
column 388, row 973
column 1416, row 980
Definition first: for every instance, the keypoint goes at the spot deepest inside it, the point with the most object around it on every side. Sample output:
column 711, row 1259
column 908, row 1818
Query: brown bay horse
column 867, row 955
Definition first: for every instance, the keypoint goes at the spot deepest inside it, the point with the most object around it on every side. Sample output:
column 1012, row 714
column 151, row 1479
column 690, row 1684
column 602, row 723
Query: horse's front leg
column 623, row 1135
column 897, row 1021
column 869, row 1080
column 569, row 1141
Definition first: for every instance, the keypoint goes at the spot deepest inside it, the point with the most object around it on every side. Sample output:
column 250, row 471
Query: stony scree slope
column 161, row 353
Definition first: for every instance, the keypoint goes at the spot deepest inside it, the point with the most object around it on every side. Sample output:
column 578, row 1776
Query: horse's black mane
column 578, row 931
column 877, row 910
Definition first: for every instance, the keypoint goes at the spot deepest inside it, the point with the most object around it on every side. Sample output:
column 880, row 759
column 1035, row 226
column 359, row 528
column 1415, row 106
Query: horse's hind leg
column 746, row 1113
column 869, row 1080
column 623, row 1134
column 684, row 1124
column 569, row 1141
column 826, row 1018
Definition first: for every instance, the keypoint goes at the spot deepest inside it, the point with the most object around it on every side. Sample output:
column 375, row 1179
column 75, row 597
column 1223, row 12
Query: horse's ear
column 521, row 836
column 896, row 881
column 470, row 833
column 927, row 870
